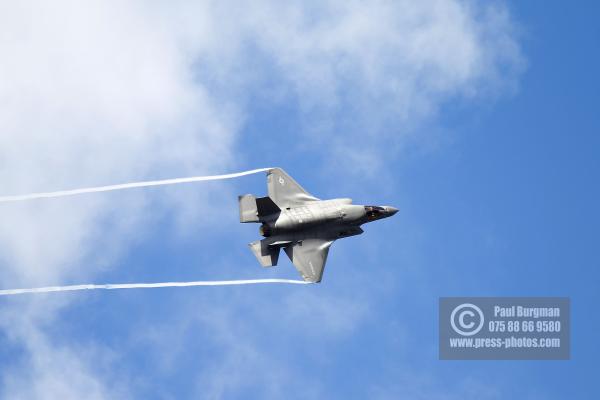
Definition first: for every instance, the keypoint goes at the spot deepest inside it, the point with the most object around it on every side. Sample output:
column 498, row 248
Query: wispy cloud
column 368, row 72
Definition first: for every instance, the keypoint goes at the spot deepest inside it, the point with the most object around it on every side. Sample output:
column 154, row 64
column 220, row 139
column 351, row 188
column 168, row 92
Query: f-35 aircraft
column 303, row 225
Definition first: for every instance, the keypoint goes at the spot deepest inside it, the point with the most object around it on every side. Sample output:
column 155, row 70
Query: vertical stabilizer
column 254, row 209
column 267, row 255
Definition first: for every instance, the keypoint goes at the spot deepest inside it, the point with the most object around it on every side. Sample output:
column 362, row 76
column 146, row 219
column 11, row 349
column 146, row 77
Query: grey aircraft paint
column 303, row 225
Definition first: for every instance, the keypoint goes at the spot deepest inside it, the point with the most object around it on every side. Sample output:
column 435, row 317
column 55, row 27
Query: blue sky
column 488, row 144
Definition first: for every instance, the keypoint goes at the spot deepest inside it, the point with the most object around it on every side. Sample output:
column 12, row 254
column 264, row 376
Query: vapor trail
column 72, row 192
column 121, row 186
column 9, row 292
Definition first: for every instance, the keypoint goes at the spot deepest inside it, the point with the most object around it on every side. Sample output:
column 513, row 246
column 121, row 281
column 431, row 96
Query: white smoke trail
column 121, row 186
column 110, row 286
column 31, row 196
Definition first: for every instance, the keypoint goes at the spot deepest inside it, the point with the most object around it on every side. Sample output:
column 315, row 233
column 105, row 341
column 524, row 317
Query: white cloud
column 105, row 91
column 243, row 347
column 55, row 366
column 92, row 93
column 369, row 72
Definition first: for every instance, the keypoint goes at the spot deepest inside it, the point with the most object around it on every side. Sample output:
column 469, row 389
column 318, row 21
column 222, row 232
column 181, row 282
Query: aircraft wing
column 309, row 257
column 285, row 191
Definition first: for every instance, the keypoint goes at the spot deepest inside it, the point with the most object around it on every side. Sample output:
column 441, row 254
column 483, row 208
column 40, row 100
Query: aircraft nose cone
column 391, row 210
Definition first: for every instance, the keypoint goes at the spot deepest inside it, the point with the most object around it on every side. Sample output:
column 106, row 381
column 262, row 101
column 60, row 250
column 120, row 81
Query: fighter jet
column 303, row 225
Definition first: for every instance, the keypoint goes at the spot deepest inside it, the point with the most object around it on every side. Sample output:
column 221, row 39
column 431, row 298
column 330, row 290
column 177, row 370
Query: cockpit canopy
column 374, row 212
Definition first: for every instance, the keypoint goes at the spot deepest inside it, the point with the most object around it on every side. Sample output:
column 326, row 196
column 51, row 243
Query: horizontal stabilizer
column 266, row 255
column 248, row 208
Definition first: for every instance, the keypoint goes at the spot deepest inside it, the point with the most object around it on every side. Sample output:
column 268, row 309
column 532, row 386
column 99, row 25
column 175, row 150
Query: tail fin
column 253, row 209
column 267, row 255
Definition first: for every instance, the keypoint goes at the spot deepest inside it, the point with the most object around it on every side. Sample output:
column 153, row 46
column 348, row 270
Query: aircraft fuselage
column 303, row 225
column 334, row 216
